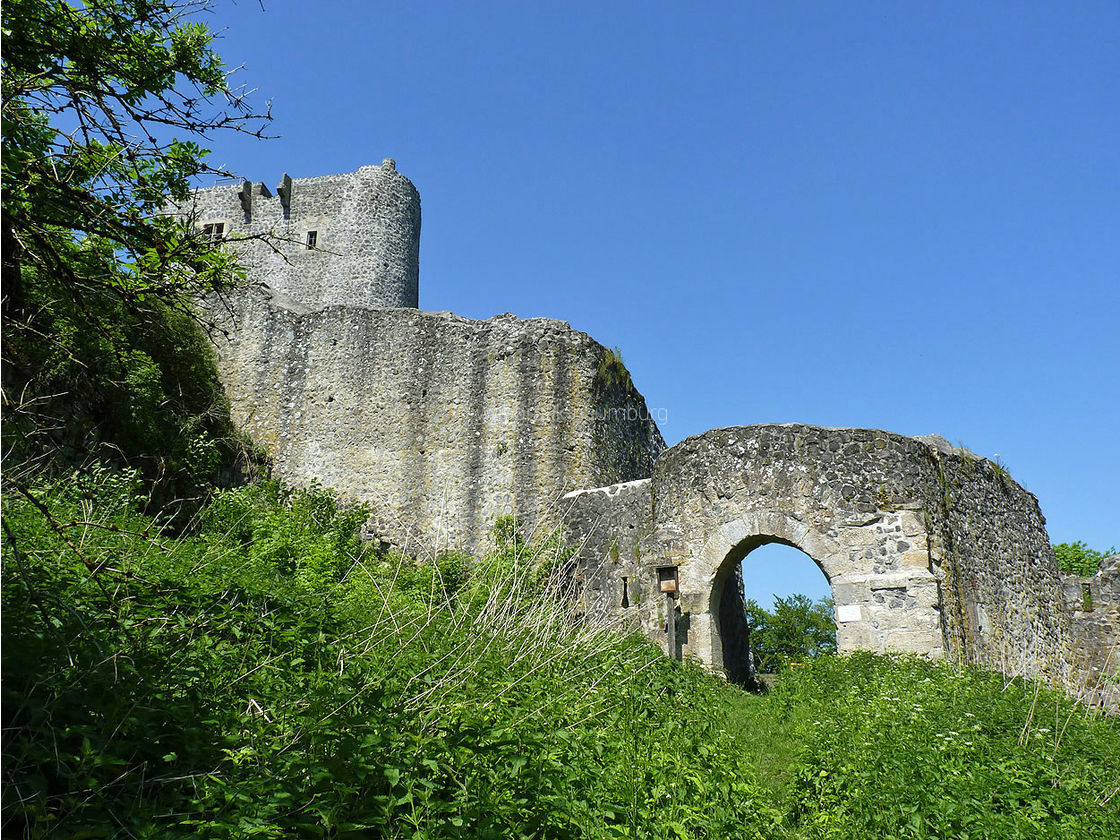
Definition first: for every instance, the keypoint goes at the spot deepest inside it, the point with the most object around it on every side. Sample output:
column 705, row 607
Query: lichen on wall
column 999, row 580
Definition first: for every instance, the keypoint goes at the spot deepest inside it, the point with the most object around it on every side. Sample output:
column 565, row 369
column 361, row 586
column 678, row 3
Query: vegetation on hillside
column 268, row 676
column 185, row 662
column 898, row 747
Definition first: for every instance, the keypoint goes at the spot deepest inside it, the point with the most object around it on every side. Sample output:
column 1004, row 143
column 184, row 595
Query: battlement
column 351, row 239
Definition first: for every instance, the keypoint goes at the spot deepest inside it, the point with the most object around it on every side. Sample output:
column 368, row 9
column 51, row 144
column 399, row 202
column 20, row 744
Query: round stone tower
column 349, row 240
column 380, row 227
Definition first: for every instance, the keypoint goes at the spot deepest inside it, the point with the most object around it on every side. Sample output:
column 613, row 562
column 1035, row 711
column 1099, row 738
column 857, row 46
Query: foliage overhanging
column 103, row 356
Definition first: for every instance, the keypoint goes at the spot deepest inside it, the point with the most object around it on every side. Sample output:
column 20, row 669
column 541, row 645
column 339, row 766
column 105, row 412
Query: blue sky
column 896, row 215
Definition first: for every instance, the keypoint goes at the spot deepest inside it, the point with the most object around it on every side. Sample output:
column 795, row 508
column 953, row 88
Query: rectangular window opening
column 312, row 238
column 1086, row 597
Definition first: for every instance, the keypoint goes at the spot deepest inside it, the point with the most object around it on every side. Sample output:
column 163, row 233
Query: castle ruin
column 442, row 424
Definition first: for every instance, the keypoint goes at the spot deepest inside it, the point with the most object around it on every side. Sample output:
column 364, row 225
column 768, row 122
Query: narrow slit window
column 312, row 238
column 625, row 591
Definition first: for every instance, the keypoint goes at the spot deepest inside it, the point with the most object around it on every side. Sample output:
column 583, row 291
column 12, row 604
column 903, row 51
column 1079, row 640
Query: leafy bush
column 304, row 534
column 797, row 629
column 135, row 387
column 1078, row 559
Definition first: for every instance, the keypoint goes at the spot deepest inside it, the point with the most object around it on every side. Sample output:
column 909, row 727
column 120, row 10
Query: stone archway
column 927, row 548
column 875, row 608
column 713, row 580
column 783, row 588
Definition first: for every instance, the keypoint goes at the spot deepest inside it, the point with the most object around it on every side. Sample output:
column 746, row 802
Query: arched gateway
column 927, row 548
column 891, row 603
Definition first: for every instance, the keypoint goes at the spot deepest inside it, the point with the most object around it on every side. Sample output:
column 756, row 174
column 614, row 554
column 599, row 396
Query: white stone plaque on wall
column 848, row 612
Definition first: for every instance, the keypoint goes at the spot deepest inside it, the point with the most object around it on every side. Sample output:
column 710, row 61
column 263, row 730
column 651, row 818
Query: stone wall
column 1094, row 603
column 366, row 226
column 607, row 525
column 441, row 423
column 927, row 548
column 992, row 556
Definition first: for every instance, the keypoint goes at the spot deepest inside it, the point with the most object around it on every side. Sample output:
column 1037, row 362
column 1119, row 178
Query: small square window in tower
column 214, row 230
column 312, row 238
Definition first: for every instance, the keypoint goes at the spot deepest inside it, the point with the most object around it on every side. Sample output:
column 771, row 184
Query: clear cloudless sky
column 894, row 215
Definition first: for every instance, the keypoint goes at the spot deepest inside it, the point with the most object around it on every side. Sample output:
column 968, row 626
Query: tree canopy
column 798, row 628
column 104, row 107
column 1078, row 559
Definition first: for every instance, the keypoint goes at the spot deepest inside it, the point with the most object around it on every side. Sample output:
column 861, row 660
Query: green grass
column 612, row 370
column 269, row 677
column 895, row 746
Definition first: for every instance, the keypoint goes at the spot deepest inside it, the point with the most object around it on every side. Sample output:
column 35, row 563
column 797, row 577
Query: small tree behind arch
column 798, row 628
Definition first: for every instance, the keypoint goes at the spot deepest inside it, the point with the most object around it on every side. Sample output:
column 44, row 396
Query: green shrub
column 304, row 533
column 797, row 629
column 138, row 390
column 1078, row 559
